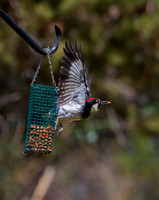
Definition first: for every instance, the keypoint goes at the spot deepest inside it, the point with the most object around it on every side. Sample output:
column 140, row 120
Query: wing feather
column 73, row 84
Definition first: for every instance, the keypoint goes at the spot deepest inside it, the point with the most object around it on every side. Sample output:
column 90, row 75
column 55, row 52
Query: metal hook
column 27, row 38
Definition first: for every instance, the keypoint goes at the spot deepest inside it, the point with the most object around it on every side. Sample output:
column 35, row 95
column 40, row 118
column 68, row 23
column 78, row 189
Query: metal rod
column 27, row 38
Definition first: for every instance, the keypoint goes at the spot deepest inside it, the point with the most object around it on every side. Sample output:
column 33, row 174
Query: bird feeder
column 41, row 119
column 41, row 115
column 42, row 100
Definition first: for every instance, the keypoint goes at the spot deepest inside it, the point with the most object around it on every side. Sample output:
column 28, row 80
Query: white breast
column 69, row 112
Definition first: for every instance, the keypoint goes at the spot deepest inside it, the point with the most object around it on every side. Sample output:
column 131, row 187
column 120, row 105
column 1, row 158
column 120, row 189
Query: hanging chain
column 50, row 66
column 37, row 71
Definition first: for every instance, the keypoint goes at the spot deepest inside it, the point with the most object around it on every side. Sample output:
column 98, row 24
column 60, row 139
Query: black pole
column 27, row 38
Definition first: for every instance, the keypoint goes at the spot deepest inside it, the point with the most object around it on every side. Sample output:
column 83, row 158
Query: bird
column 75, row 101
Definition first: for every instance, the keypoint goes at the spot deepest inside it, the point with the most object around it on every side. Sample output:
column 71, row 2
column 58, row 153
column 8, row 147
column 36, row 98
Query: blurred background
column 113, row 155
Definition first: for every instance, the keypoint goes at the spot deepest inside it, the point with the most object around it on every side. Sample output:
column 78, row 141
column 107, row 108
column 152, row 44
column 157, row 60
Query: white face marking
column 94, row 108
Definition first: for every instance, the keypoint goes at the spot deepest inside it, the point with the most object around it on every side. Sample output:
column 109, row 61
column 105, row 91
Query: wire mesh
column 41, row 119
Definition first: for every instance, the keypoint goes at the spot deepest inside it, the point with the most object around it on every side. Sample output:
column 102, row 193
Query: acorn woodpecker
column 74, row 98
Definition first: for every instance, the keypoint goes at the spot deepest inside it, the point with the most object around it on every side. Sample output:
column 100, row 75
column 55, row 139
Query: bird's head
column 96, row 103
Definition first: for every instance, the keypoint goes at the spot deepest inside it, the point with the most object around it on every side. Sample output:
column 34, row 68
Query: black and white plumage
column 74, row 99
column 73, row 84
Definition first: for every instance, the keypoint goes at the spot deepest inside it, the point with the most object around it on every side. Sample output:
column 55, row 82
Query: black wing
column 73, row 85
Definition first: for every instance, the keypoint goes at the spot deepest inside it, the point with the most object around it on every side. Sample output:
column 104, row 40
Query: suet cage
column 41, row 119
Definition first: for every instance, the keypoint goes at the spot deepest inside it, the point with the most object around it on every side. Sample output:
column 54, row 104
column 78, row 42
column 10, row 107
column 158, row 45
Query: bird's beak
column 103, row 103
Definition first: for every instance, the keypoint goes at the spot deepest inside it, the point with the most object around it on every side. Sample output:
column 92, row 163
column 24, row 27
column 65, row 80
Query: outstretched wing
column 73, row 85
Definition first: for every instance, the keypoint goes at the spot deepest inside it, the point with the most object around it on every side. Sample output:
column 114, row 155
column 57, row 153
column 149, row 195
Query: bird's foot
column 58, row 129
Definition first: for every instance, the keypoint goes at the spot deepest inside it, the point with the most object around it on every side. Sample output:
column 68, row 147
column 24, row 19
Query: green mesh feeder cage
column 41, row 116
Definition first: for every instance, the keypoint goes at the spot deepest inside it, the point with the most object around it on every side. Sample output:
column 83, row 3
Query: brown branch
column 44, row 183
